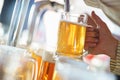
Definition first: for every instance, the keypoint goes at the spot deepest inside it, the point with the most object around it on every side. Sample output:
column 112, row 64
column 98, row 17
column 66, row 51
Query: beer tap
column 17, row 21
column 37, row 12
column 67, row 8
column 19, row 15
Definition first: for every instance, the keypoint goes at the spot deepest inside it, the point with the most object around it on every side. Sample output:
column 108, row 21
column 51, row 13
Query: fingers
column 90, row 42
column 92, row 38
column 89, row 45
column 92, row 34
column 90, row 29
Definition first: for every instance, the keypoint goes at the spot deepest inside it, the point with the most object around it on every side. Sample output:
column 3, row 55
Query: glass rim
column 82, row 24
column 11, row 50
column 70, row 61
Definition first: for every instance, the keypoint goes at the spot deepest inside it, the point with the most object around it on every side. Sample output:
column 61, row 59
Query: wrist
column 118, row 51
column 111, row 48
column 115, row 63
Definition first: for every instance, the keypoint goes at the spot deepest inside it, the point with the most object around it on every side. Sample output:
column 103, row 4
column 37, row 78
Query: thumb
column 102, row 25
column 97, row 19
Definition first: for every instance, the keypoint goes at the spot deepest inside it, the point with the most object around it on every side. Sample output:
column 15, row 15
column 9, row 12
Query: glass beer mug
column 65, row 65
column 71, row 35
column 47, row 66
column 16, row 64
column 70, row 69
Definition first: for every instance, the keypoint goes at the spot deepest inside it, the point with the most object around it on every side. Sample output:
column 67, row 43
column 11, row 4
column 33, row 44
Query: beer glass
column 16, row 64
column 47, row 66
column 36, row 54
column 30, row 38
column 70, row 69
column 71, row 35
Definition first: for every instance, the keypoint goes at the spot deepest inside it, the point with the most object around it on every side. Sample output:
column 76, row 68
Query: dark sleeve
column 118, row 77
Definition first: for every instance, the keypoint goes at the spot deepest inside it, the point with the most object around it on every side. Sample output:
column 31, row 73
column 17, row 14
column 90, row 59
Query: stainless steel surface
column 36, row 14
column 35, row 10
column 17, row 21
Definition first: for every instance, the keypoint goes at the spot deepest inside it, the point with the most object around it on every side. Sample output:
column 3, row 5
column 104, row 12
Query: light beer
column 38, row 59
column 25, row 72
column 67, row 68
column 36, row 54
column 47, row 66
column 71, row 38
column 56, row 76
column 18, row 67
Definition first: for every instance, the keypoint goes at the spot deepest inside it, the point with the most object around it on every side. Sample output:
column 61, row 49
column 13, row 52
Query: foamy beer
column 16, row 64
column 65, row 65
column 69, row 69
column 36, row 53
column 71, row 36
column 47, row 66
column 37, row 56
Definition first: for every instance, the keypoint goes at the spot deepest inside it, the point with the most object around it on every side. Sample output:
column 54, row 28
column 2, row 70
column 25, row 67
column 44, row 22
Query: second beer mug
column 71, row 35
column 47, row 65
column 16, row 64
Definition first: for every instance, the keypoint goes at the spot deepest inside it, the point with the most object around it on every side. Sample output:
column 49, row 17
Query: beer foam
column 39, row 52
column 77, row 23
column 48, row 56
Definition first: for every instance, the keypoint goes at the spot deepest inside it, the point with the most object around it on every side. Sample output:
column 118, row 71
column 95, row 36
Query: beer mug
column 47, row 65
column 64, row 65
column 70, row 69
column 71, row 35
column 16, row 64
column 36, row 54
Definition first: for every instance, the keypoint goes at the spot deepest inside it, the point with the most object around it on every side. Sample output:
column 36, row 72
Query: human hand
column 92, row 34
column 106, row 44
